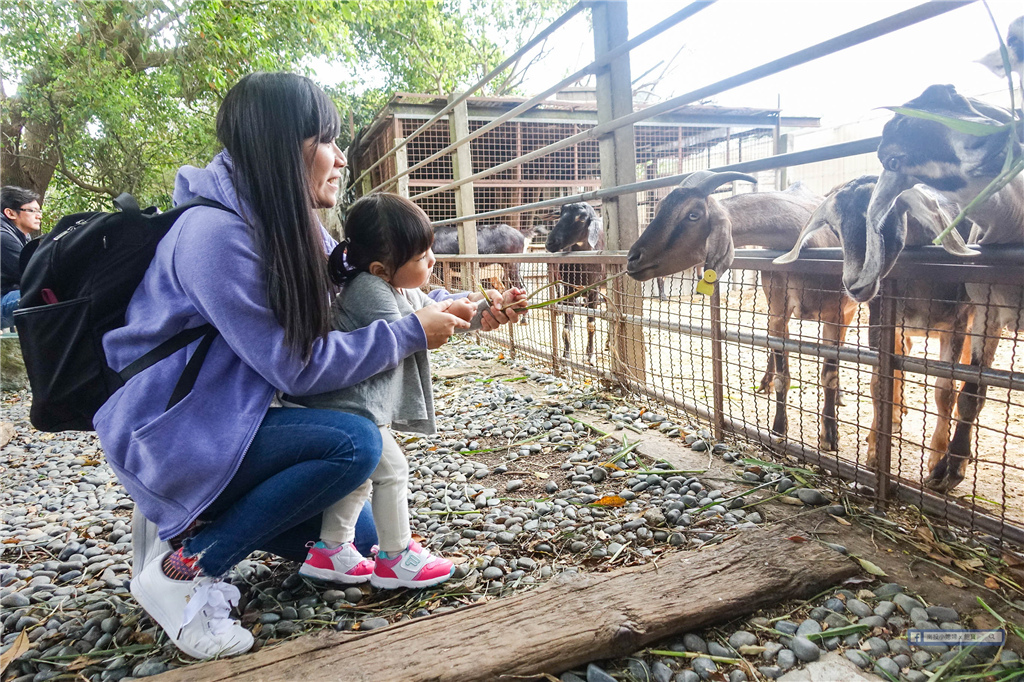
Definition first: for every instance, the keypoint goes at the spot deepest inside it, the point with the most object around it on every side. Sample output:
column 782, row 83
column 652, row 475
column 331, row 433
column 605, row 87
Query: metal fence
column 708, row 356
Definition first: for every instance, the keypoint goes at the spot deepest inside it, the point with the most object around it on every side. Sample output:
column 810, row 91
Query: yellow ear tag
column 706, row 285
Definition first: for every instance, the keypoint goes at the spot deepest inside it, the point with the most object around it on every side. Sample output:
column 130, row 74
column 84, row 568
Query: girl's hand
column 462, row 307
column 438, row 324
column 494, row 316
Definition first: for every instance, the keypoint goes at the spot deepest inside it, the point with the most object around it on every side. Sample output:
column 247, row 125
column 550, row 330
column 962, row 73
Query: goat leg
column 828, row 437
column 949, row 472
column 662, row 296
column 950, row 347
column 591, row 329
column 781, row 385
column 766, row 381
column 566, row 335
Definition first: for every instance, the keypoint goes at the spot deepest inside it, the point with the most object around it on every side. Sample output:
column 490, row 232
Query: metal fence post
column 717, row 373
column 618, row 167
column 462, row 167
column 886, row 382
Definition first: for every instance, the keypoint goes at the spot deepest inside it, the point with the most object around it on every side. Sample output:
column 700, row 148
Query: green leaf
column 870, row 567
column 976, row 128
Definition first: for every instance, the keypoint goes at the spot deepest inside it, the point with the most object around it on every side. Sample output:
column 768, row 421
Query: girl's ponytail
column 337, row 264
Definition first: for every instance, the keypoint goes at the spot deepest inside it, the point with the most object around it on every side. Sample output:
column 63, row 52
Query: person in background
column 21, row 217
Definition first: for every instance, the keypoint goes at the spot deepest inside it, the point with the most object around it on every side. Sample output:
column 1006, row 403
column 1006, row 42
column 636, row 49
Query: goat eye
column 693, row 215
column 893, row 164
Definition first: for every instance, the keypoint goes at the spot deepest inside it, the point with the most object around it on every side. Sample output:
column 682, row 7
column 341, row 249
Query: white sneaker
column 146, row 542
column 195, row 614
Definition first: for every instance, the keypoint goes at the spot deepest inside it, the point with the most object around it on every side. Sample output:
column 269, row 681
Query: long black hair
column 263, row 123
column 380, row 227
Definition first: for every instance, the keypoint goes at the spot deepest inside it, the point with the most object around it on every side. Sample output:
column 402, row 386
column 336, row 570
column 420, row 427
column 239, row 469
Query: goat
column 958, row 165
column 579, row 228
column 1014, row 48
column 490, row 239
column 691, row 227
column 921, row 306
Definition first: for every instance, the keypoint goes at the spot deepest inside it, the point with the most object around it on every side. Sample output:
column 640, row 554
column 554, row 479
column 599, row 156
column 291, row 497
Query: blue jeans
column 8, row 304
column 300, row 462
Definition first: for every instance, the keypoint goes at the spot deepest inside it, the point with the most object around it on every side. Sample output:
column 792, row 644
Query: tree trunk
column 576, row 618
column 27, row 154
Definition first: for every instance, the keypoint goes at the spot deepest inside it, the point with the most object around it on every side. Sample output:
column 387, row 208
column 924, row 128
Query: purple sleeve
column 221, row 274
column 439, row 295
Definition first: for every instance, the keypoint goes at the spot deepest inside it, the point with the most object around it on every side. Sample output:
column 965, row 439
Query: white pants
column 390, row 502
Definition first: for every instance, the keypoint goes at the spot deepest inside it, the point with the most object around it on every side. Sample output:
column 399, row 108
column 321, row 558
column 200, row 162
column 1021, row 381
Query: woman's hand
column 438, row 324
column 495, row 316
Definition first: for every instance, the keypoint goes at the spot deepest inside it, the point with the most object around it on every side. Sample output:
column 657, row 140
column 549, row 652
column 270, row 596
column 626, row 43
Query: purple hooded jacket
column 206, row 269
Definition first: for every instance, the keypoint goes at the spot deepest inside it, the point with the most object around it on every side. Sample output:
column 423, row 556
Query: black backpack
column 76, row 283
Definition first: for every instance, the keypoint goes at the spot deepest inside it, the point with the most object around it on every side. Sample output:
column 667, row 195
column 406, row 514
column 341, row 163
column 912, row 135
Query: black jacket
column 12, row 241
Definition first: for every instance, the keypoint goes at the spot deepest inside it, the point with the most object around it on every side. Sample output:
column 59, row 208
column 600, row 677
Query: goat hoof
column 840, row 398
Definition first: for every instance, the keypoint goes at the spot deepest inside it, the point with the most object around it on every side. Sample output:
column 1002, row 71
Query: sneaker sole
column 394, row 583
column 164, row 621
column 332, row 576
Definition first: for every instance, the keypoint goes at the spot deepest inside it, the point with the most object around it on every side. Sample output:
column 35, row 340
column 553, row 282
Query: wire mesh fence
column 803, row 371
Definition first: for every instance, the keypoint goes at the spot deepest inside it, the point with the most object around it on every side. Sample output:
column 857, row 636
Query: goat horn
column 713, row 181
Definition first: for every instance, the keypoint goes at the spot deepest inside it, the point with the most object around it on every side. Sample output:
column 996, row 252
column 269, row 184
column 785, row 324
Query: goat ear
column 816, row 223
column 719, row 242
column 929, row 214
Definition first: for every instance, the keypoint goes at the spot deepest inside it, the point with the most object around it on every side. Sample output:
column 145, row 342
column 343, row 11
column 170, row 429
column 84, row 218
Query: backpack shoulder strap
column 203, row 201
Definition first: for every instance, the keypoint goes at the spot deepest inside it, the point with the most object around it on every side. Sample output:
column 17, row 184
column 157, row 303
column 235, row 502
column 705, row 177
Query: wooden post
column 886, row 388
column 555, row 345
column 618, row 167
column 462, row 167
column 717, row 373
column 401, row 165
column 570, row 620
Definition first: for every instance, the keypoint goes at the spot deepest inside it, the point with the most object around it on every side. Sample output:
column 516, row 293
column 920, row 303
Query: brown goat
column 691, row 228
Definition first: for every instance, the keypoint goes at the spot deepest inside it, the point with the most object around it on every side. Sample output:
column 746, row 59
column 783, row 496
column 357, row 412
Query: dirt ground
column 941, row 566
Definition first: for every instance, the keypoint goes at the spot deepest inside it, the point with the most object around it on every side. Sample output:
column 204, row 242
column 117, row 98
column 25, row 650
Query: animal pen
column 474, row 161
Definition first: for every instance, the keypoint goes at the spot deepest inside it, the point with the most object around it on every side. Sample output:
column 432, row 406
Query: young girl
column 381, row 265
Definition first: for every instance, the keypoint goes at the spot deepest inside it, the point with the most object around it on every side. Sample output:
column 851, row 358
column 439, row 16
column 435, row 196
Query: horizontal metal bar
column 879, row 28
column 918, row 262
column 536, row 40
column 581, row 257
column 593, row 67
column 826, row 153
column 513, row 184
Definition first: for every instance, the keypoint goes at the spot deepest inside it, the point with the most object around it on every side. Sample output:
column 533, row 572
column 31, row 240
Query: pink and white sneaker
column 344, row 564
column 412, row 567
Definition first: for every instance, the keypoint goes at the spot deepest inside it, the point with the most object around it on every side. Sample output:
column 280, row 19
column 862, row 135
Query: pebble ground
column 515, row 487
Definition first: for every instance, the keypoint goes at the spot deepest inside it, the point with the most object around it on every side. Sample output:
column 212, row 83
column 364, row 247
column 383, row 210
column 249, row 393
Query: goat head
column 689, row 228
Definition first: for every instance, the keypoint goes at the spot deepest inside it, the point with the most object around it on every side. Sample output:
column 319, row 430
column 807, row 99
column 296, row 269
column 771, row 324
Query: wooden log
column 575, row 618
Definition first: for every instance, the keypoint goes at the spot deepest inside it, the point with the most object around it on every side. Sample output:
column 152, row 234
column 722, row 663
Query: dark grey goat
column 579, row 228
column 490, row 239
column 958, row 165
column 922, row 307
